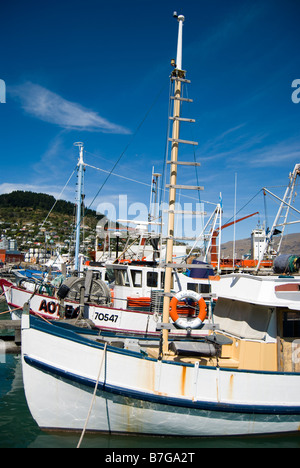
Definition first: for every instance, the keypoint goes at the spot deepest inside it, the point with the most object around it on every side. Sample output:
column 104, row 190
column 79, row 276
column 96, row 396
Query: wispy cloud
column 243, row 145
column 275, row 155
column 50, row 107
column 50, row 174
column 230, row 27
column 55, row 161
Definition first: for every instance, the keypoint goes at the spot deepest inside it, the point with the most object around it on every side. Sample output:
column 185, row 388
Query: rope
column 12, row 310
column 93, row 399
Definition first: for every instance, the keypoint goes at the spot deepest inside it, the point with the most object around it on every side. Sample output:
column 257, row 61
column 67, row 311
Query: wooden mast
column 177, row 75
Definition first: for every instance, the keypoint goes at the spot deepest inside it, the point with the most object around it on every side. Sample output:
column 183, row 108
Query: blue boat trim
column 163, row 400
column 73, row 333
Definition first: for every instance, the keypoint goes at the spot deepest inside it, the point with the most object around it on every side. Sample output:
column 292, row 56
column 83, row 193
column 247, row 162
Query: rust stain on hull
column 230, row 390
column 183, row 381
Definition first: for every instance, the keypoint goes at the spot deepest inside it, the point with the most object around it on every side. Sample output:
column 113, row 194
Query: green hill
column 39, row 201
column 22, row 215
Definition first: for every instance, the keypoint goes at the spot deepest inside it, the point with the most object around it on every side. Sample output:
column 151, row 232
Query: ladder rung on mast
column 183, row 163
column 183, row 119
column 194, row 213
column 184, row 187
column 176, row 98
column 176, row 140
column 183, row 80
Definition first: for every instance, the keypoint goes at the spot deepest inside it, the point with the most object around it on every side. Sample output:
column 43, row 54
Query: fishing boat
column 133, row 305
column 242, row 378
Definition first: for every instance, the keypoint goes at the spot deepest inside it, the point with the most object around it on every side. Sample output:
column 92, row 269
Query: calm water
column 19, row 430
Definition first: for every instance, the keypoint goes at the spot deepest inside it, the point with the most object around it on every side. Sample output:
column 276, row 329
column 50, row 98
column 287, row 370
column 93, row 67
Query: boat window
column 136, row 276
column 162, row 279
column 291, row 324
column 199, row 288
column 152, row 279
column 110, row 275
column 121, row 278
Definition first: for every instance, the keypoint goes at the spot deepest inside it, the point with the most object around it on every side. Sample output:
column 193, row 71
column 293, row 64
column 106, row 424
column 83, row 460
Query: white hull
column 105, row 318
column 138, row 394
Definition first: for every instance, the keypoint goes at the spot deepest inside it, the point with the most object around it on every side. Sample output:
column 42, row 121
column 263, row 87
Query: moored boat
column 241, row 378
column 244, row 379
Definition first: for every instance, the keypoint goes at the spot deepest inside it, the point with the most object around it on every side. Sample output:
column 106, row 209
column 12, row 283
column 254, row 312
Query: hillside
column 290, row 245
column 39, row 201
column 22, row 214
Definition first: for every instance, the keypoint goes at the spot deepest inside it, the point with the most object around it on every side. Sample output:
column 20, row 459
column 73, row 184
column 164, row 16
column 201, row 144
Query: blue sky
column 98, row 72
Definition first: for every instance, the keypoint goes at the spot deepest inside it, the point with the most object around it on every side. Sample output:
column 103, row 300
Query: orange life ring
column 183, row 322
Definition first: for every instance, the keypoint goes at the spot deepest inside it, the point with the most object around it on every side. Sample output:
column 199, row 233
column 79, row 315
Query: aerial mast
column 80, row 166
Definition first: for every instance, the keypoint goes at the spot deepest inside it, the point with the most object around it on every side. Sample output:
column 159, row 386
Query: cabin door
column 288, row 341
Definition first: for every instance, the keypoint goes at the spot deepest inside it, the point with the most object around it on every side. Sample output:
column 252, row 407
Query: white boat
column 133, row 305
column 137, row 393
column 243, row 379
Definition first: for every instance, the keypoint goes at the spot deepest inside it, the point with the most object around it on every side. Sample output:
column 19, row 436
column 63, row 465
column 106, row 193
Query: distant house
column 2, row 255
column 11, row 256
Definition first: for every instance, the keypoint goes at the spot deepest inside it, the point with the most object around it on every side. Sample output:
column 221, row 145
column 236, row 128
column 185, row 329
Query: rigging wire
column 163, row 191
column 244, row 206
column 111, row 172
column 128, row 144
column 58, row 198
column 118, row 175
column 194, row 151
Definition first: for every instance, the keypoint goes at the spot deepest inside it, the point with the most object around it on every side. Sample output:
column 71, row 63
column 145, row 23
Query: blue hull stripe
column 163, row 400
column 72, row 333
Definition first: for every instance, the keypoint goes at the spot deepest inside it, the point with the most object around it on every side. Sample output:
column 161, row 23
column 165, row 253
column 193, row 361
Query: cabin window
column 291, row 324
column 152, row 279
column 110, row 275
column 121, row 278
column 199, row 288
column 136, row 276
column 162, row 281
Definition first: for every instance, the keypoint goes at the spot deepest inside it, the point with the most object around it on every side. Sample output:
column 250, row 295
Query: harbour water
column 19, row 430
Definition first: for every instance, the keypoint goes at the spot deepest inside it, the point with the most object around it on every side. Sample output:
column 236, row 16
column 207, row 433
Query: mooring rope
column 94, row 396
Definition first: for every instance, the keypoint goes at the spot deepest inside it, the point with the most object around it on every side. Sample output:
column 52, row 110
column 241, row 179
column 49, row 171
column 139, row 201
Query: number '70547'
column 106, row 317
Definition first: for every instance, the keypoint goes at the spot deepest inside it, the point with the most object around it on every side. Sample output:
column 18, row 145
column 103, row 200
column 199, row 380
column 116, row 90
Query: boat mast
column 79, row 201
column 177, row 75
